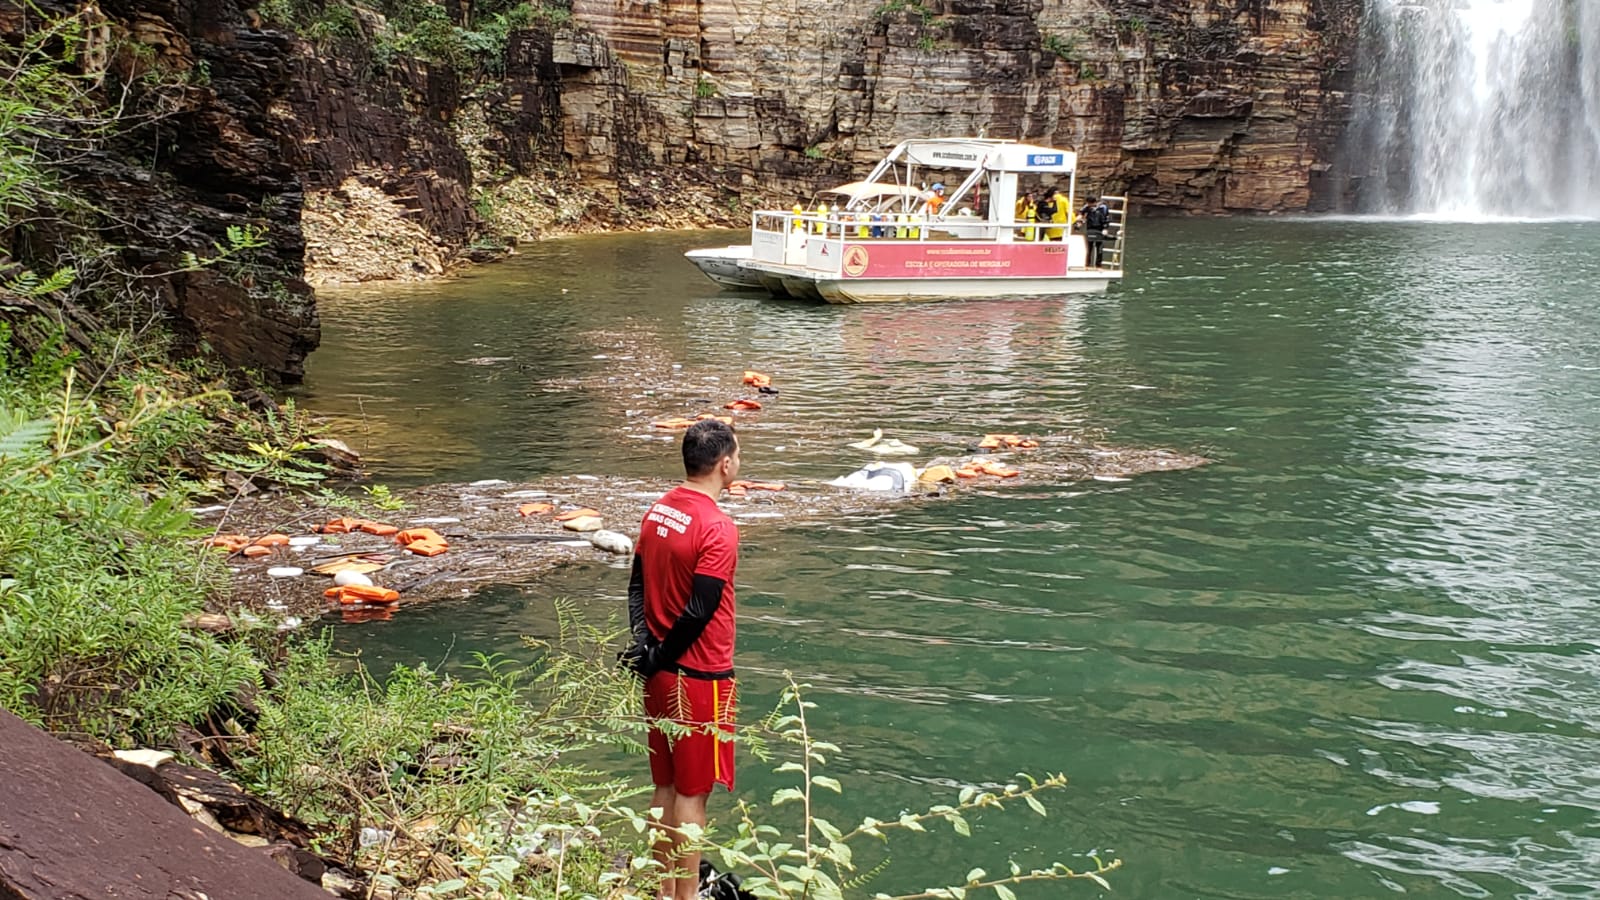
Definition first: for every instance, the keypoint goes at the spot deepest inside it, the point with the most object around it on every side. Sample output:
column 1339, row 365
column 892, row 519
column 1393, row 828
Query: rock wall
column 388, row 185
column 1189, row 105
column 208, row 154
column 678, row 113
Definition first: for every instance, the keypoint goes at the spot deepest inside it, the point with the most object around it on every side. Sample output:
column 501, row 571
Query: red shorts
column 692, row 763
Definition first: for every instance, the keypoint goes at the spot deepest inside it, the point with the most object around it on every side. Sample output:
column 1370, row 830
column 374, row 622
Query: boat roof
column 866, row 190
column 983, row 153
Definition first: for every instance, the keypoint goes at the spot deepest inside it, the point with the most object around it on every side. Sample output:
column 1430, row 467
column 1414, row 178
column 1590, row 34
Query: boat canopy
column 868, row 190
column 983, row 153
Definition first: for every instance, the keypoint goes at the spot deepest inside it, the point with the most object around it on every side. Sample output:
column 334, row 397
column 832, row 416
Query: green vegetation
column 705, row 88
column 1061, row 47
column 912, row 7
column 426, row 29
column 475, row 786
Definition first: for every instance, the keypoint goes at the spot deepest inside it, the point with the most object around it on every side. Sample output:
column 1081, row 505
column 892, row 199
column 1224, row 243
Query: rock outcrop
column 199, row 150
column 72, row 826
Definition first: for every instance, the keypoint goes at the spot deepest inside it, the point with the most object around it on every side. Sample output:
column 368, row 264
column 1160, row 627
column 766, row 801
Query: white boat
column 886, row 242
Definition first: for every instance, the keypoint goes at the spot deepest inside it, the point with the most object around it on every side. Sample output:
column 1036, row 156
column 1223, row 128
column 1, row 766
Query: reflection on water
column 1357, row 656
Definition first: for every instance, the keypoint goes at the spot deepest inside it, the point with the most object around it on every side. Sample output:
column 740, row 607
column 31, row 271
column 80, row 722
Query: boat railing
column 903, row 227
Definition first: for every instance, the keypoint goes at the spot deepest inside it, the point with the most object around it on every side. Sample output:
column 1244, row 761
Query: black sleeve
column 636, row 620
column 705, row 598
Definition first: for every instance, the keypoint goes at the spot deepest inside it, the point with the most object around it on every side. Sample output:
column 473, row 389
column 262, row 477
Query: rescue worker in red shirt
column 681, row 614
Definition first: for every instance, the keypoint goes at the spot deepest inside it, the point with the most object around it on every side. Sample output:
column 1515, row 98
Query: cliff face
column 680, row 113
column 1188, row 105
column 193, row 156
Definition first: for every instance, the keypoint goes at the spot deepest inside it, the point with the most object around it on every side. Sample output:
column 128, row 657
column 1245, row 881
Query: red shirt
column 685, row 534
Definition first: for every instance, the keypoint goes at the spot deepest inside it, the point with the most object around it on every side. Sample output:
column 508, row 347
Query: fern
column 22, row 437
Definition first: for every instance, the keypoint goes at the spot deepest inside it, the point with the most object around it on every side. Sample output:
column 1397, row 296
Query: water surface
column 1356, row 656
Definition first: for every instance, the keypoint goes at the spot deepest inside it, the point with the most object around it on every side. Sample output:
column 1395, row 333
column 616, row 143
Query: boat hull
column 723, row 266
column 856, row 290
column 887, row 272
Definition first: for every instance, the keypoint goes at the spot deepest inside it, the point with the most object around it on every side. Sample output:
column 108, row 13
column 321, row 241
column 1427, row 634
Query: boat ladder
column 1116, row 231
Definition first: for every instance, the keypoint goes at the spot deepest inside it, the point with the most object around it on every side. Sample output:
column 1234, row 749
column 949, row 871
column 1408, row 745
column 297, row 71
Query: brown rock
column 72, row 826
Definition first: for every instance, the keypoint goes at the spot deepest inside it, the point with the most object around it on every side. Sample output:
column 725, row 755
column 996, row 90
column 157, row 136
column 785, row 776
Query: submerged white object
column 286, row 571
column 895, row 477
column 348, row 577
column 884, row 446
column 611, row 542
column 877, row 435
column 304, row 540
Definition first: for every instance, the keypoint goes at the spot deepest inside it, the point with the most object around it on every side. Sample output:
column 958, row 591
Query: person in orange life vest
column 936, row 201
column 681, row 615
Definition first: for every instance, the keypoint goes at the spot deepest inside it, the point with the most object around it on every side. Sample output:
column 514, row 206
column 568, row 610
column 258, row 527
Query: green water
column 1357, row 656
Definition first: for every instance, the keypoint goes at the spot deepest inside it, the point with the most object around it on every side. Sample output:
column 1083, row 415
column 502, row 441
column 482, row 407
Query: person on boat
column 1096, row 217
column 681, row 615
column 935, row 200
column 1060, row 205
column 799, row 210
column 1028, row 211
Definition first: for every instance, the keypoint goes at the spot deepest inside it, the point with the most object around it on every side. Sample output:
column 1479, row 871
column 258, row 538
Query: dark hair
column 1092, row 198
column 705, row 444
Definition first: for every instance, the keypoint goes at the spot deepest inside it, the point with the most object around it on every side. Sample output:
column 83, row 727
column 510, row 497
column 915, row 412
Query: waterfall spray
column 1476, row 109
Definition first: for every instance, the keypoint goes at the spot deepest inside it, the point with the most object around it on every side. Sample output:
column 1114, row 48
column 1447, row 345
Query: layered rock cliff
column 665, row 112
column 1188, row 105
column 686, row 112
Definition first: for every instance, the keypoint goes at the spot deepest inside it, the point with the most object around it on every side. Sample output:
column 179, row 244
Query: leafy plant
column 277, row 444
column 99, row 578
column 1062, row 47
column 913, row 7
column 824, row 861
column 814, row 152
column 376, row 498
column 705, row 88
column 466, row 786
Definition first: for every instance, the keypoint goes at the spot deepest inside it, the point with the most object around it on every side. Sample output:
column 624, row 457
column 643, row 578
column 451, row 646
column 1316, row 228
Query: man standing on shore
column 681, row 613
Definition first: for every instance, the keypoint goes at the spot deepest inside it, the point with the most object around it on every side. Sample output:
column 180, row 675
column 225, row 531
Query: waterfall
column 1476, row 109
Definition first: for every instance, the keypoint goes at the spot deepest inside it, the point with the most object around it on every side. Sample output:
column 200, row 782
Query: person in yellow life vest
column 822, row 215
column 1059, row 215
column 863, row 230
column 798, row 212
column 1027, row 211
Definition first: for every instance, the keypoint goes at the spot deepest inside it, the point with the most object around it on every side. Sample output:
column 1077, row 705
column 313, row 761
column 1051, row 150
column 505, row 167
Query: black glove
column 642, row 658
